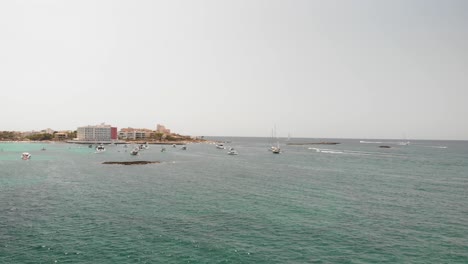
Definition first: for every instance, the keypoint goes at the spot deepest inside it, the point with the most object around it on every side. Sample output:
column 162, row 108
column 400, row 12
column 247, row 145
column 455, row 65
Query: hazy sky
column 356, row 69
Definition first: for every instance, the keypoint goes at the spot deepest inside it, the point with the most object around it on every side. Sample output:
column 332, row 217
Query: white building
column 97, row 133
column 135, row 133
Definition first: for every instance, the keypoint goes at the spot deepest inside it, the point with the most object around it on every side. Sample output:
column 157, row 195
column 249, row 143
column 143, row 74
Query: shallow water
column 349, row 203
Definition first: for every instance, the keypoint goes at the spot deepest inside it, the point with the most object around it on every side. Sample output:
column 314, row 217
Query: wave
column 439, row 147
column 357, row 153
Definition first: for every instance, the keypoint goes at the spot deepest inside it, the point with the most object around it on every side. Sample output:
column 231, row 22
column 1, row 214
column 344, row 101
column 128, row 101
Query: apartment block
column 97, row 133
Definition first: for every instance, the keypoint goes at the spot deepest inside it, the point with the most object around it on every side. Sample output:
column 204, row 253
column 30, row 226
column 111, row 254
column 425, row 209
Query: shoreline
column 182, row 142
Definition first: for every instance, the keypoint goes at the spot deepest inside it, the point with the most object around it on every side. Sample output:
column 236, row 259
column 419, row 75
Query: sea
column 353, row 202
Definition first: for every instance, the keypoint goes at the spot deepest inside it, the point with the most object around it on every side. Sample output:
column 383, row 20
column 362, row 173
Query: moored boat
column 100, row 148
column 275, row 150
column 25, row 156
column 232, row 151
column 135, row 151
column 220, row 146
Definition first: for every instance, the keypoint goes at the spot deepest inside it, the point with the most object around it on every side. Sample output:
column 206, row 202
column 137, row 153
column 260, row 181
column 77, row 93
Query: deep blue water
column 349, row 203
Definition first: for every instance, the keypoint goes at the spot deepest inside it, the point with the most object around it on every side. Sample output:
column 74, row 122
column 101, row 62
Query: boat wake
column 357, row 153
column 439, row 147
column 371, row 142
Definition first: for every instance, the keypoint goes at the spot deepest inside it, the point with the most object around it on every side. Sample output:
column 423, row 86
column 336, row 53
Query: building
column 48, row 131
column 61, row 135
column 30, row 133
column 97, row 133
column 135, row 133
column 162, row 129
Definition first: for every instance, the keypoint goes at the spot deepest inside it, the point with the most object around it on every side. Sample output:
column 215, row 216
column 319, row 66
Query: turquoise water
column 349, row 203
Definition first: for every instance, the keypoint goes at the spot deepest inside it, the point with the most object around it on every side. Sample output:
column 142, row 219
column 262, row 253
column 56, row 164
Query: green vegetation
column 40, row 137
column 177, row 137
column 72, row 135
column 9, row 135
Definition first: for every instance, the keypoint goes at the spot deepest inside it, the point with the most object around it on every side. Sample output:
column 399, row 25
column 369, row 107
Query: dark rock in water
column 137, row 162
column 384, row 146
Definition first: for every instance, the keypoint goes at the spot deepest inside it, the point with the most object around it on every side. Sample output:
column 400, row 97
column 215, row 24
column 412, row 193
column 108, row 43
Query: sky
column 317, row 69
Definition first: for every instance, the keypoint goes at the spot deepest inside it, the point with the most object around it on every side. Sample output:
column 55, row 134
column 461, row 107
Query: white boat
column 220, row 146
column 275, row 149
column 135, row 151
column 406, row 143
column 232, row 151
column 25, row 156
column 100, row 148
column 143, row 147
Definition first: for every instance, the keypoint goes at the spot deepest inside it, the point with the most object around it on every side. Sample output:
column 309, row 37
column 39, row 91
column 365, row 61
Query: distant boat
column 232, row 151
column 43, row 148
column 405, row 143
column 173, row 145
column 90, row 146
column 184, row 148
column 143, row 146
column 220, row 146
column 25, row 156
column 163, row 149
column 275, row 149
column 135, row 151
column 100, row 148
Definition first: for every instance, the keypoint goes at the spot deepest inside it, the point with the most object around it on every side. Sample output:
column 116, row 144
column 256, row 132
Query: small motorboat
column 100, row 148
column 184, row 148
column 220, row 146
column 144, row 146
column 173, row 145
column 43, row 148
column 135, row 151
column 25, row 156
column 163, row 149
column 232, row 151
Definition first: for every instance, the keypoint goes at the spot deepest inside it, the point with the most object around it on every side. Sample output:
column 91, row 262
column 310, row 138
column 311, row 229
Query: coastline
column 181, row 142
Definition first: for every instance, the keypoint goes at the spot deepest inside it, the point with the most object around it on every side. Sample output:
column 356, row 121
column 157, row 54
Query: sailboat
column 405, row 141
column 275, row 149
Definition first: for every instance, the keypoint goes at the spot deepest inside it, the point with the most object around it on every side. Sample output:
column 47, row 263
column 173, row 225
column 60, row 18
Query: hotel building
column 97, row 133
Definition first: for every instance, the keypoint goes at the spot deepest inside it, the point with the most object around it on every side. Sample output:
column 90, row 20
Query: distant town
column 102, row 133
